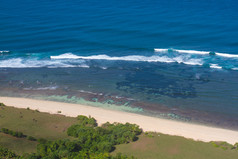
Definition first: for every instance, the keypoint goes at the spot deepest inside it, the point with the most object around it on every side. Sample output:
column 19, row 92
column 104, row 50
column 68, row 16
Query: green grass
column 160, row 146
column 18, row 145
column 33, row 123
column 148, row 146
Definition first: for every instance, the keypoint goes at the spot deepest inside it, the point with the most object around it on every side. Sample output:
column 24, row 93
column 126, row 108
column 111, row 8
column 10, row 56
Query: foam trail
column 193, row 52
column 137, row 58
column 4, row 51
column 198, row 52
column 215, row 66
column 65, row 56
column 122, row 58
column 34, row 63
column 161, row 50
column 182, row 51
column 226, row 55
column 186, row 60
column 47, row 88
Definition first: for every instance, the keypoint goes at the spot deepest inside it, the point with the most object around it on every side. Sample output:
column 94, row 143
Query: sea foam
column 215, row 66
column 35, row 63
column 137, row 58
column 197, row 52
column 4, row 51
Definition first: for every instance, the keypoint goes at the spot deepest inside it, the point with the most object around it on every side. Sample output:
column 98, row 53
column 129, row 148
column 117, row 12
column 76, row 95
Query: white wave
column 188, row 61
column 193, row 52
column 198, row 52
column 215, row 66
column 4, row 51
column 137, row 58
column 65, row 56
column 183, row 51
column 104, row 68
column 226, row 55
column 122, row 58
column 83, row 91
column 236, row 68
column 47, row 88
column 72, row 60
column 34, row 63
column 161, row 50
column 42, row 88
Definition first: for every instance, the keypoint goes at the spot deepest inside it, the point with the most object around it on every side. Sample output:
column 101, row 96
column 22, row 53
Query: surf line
column 197, row 52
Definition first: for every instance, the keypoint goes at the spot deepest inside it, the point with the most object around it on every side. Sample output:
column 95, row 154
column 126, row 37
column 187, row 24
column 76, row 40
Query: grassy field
column 33, row 123
column 18, row 145
column 149, row 146
column 160, row 146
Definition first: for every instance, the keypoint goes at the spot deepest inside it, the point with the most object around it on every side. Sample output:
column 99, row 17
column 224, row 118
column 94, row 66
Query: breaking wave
column 137, row 58
column 35, row 63
column 4, row 51
column 187, row 57
column 197, row 52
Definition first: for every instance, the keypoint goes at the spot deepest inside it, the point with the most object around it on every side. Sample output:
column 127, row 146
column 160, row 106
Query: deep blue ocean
column 175, row 59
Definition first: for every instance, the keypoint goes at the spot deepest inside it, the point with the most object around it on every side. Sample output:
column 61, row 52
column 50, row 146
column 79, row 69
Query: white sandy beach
column 196, row 132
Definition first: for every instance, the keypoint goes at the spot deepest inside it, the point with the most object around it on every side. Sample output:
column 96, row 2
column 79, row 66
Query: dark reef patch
column 152, row 82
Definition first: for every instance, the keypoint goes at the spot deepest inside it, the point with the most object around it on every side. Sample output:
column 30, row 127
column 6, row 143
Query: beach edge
column 147, row 123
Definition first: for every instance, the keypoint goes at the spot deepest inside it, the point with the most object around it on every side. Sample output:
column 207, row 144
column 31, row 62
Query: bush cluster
column 13, row 133
column 1, row 104
column 87, row 121
column 31, row 138
column 90, row 141
column 224, row 145
column 5, row 153
column 17, row 134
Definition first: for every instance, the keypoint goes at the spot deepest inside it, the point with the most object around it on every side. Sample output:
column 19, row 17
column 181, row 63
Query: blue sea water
column 175, row 58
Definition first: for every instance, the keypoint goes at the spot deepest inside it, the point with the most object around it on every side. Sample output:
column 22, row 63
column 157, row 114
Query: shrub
column 2, row 105
column 13, row 133
column 90, row 141
column 105, row 146
column 5, row 153
column 31, row 138
column 222, row 145
column 20, row 134
column 88, row 121
column 42, row 141
column 236, row 146
column 5, row 130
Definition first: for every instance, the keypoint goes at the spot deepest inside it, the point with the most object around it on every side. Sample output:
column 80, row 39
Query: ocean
column 174, row 59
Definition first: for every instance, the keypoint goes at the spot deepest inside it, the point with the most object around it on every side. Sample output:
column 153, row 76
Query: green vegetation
column 90, row 141
column 1, row 104
column 87, row 141
column 5, row 153
column 152, row 145
column 31, row 138
column 29, row 122
column 13, row 133
column 56, row 136
column 223, row 145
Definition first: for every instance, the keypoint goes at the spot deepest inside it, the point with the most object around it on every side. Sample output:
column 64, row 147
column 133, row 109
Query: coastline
column 165, row 126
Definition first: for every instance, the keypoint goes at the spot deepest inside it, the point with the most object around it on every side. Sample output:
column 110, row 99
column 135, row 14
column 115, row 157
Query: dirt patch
column 143, row 144
column 59, row 127
column 174, row 150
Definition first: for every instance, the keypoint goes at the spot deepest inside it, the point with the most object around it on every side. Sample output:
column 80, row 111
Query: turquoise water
column 172, row 59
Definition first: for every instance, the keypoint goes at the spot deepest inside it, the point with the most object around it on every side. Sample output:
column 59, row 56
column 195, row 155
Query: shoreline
column 147, row 123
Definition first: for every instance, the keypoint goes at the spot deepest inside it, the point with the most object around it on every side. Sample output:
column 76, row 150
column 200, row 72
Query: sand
column 187, row 130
